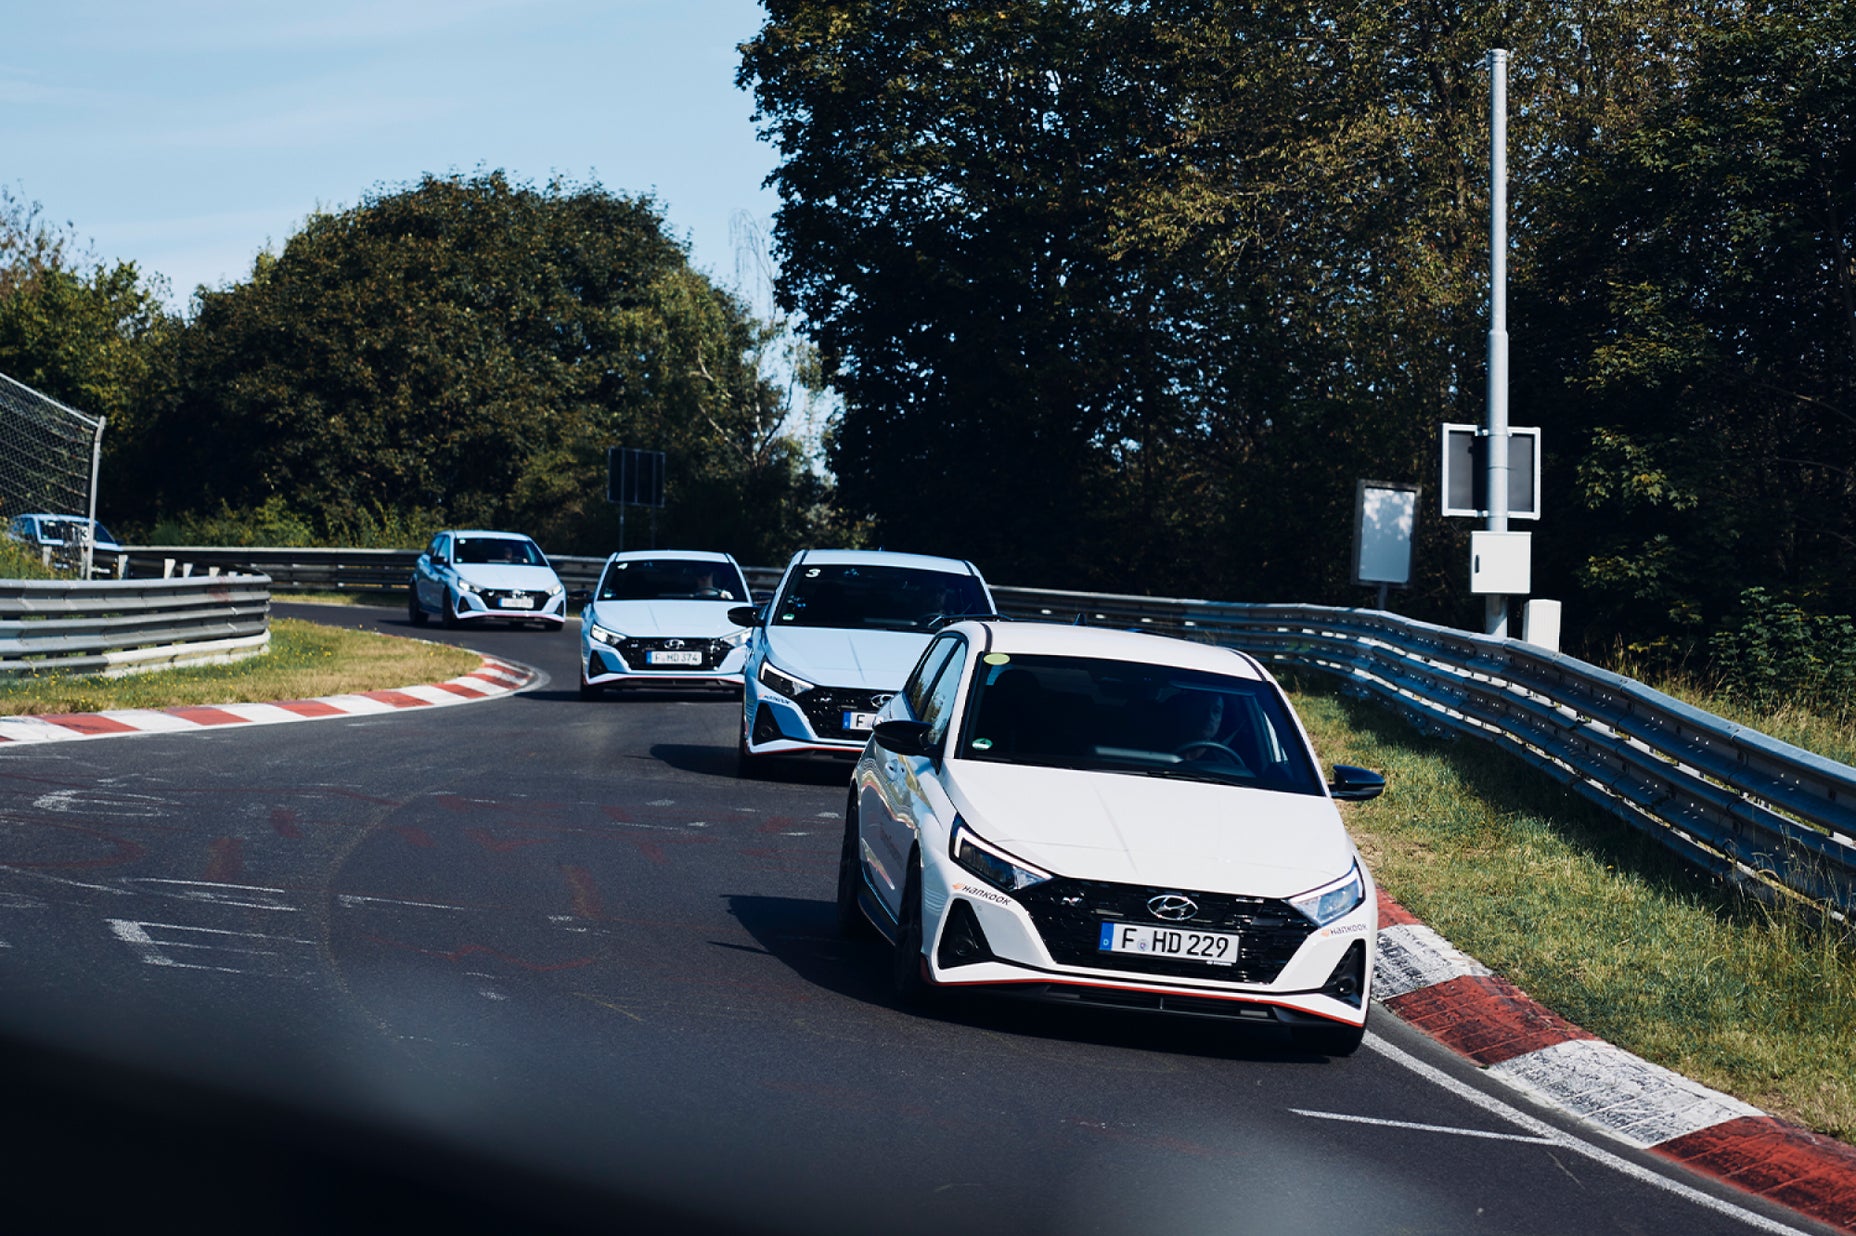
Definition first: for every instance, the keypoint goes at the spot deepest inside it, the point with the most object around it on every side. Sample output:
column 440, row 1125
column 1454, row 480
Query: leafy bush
column 1774, row 651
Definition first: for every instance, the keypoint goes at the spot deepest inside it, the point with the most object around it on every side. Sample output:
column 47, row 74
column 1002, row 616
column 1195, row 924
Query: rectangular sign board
column 1466, row 471
column 634, row 477
column 1384, row 518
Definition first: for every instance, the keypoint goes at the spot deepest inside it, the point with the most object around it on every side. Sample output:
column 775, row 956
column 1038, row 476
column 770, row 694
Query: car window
column 508, row 550
column 441, row 546
column 672, row 579
column 939, row 706
column 1118, row 716
column 915, row 690
column 877, row 598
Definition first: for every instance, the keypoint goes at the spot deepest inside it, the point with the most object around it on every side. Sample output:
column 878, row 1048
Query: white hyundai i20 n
column 835, row 643
column 1112, row 819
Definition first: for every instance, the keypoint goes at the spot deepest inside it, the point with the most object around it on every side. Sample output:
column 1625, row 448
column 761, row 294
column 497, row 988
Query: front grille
column 493, row 598
column 636, row 653
column 1069, row 915
column 825, row 708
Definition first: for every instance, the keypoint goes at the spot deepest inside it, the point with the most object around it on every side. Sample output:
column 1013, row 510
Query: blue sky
column 188, row 135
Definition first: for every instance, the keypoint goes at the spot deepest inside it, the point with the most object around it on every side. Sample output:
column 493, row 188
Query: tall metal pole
column 90, row 531
column 1497, row 606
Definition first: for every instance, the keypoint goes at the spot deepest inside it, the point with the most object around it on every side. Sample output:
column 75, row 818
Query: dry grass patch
column 305, row 660
column 1598, row 922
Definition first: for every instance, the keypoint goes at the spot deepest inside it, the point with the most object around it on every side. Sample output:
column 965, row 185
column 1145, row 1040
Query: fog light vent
column 962, row 941
column 1349, row 977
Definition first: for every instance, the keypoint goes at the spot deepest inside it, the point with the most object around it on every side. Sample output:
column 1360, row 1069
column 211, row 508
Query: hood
column 1155, row 832
column 836, row 657
column 652, row 619
column 505, row 575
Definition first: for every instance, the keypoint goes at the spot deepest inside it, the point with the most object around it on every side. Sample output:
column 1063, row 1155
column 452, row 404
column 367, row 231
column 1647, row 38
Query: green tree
column 464, row 350
column 1697, row 291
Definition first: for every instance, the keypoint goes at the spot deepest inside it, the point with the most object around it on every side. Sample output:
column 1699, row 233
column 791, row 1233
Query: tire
column 415, row 612
column 451, row 613
column 591, row 690
column 852, row 924
column 911, row 986
column 1331, row 1040
column 748, row 766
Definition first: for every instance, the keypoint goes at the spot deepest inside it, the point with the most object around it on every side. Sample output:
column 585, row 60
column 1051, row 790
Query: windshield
column 1123, row 716
column 880, row 598
column 672, row 579
column 514, row 551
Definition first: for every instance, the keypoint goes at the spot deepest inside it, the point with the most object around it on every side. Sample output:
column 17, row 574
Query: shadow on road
column 721, row 762
column 803, row 935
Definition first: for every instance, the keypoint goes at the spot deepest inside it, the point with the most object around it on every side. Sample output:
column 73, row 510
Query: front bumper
column 1284, row 974
column 630, row 662
column 774, row 724
column 493, row 605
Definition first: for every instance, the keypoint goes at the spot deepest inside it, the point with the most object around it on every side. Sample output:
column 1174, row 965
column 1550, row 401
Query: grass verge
column 305, row 660
column 1596, row 921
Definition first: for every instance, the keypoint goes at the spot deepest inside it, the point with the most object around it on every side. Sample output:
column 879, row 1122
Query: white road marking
column 1599, row 1154
column 107, row 803
column 140, row 936
column 1412, row 957
column 353, row 900
column 1627, row 1096
column 215, row 893
column 1425, row 1128
column 662, row 802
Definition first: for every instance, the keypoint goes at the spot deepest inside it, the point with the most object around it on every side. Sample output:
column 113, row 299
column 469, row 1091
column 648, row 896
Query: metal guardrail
column 125, row 626
column 1729, row 799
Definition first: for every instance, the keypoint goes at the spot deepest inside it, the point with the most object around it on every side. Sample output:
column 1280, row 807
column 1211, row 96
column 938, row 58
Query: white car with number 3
column 835, row 643
column 1116, row 820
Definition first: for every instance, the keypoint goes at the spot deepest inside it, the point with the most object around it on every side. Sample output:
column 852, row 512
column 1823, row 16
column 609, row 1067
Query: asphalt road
column 542, row 961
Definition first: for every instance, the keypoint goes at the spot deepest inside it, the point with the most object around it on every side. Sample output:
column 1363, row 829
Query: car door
column 915, row 799
column 428, row 577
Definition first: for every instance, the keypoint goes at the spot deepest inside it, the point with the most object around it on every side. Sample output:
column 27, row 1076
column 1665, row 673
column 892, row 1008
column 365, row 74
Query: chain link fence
column 48, row 459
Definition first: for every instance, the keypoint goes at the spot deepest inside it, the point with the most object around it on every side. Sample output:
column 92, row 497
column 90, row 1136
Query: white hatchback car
column 470, row 575
column 836, row 642
column 1112, row 819
column 659, row 618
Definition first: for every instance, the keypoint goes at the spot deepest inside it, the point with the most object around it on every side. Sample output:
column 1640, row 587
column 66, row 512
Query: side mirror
column 903, row 737
column 1355, row 785
column 439, row 560
column 744, row 615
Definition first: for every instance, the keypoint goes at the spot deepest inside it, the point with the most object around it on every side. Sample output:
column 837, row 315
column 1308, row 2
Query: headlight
column 991, row 864
column 464, row 585
column 734, row 639
column 782, row 682
column 556, row 590
column 1327, row 903
column 600, row 635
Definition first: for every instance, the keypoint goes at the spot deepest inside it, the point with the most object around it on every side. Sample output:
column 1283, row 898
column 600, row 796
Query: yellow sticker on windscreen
column 995, row 658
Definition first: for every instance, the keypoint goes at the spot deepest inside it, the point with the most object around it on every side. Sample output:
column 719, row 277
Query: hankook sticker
column 984, row 894
column 1350, row 929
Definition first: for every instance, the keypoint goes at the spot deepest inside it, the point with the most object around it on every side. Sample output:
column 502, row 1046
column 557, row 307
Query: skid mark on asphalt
column 483, row 950
column 228, row 860
column 212, row 892
column 583, row 892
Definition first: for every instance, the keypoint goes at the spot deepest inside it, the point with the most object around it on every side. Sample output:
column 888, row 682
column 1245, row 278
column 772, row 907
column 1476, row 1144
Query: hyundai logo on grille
column 1174, row 907
column 673, row 643
column 877, row 701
